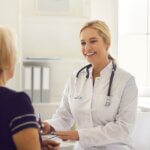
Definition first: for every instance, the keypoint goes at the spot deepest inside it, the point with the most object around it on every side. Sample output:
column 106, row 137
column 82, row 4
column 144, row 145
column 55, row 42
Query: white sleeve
column 62, row 119
column 121, row 127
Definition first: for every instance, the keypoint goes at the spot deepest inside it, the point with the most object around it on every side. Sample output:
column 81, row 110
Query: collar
column 104, row 71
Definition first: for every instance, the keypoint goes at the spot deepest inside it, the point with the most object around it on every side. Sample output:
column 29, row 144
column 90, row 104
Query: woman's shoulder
column 14, row 98
column 22, row 95
column 124, row 77
column 21, row 99
column 7, row 91
column 21, row 113
column 10, row 93
column 123, row 73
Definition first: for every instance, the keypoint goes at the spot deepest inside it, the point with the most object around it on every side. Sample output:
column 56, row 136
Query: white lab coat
column 100, row 127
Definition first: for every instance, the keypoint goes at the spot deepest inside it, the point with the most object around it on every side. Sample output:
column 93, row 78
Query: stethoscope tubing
column 114, row 66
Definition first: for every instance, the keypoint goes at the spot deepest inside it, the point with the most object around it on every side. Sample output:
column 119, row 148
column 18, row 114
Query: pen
column 40, row 122
column 40, row 126
column 48, row 136
column 52, row 137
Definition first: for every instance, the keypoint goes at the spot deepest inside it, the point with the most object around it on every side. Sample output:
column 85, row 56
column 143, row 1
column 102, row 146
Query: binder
column 37, row 84
column 46, row 84
column 36, row 81
column 27, row 82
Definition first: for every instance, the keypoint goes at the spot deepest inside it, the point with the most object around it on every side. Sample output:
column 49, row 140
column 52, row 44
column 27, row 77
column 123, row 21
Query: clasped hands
column 64, row 135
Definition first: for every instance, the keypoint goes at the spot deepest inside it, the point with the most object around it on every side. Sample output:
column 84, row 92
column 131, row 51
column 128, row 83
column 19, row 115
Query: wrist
column 53, row 129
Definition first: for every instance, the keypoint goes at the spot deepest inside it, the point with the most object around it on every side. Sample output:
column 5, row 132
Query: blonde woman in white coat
column 104, row 112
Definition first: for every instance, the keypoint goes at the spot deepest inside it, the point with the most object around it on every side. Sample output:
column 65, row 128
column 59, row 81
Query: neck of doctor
column 98, row 67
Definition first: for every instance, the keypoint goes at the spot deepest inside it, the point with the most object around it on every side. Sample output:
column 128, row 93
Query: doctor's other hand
column 67, row 135
column 50, row 145
column 47, row 128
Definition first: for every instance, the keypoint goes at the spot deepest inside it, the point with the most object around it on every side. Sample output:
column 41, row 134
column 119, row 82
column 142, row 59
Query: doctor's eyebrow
column 92, row 38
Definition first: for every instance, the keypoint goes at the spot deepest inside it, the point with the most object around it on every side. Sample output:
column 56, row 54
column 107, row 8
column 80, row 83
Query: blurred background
column 49, row 48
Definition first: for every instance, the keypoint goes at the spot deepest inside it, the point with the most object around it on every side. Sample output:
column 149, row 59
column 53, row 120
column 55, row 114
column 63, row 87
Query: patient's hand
column 47, row 128
column 50, row 145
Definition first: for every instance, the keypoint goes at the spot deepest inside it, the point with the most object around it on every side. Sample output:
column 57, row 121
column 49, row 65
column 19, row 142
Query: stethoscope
column 108, row 100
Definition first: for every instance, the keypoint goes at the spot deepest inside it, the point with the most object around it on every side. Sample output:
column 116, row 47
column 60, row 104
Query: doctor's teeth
column 91, row 53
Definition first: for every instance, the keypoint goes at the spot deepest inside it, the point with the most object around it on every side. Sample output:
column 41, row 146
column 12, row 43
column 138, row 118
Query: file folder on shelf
column 36, row 80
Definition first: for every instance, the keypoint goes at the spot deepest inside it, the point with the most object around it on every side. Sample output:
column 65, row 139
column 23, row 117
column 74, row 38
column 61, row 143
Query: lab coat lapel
column 81, row 102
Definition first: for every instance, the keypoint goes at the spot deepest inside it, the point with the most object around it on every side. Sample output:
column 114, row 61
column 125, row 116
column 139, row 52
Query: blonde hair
column 8, row 48
column 103, row 31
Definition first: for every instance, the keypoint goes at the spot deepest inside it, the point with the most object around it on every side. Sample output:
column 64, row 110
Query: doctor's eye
column 93, row 41
column 83, row 43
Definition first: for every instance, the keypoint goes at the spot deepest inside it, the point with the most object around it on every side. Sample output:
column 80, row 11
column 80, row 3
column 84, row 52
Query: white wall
column 134, row 41
column 49, row 36
column 107, row 10
column 10, row 16
column 58, row 36
column 9, row 13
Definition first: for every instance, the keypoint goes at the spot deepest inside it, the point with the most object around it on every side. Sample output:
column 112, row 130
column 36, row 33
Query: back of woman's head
column 8, row 48
column 101, row 27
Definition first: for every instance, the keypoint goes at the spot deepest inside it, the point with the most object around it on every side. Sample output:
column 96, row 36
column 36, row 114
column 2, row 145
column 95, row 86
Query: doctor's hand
column 50, row 145
column 67, row 135
column 47, row 128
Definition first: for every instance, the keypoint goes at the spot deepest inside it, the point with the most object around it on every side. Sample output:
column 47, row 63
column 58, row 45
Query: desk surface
column 144, row 103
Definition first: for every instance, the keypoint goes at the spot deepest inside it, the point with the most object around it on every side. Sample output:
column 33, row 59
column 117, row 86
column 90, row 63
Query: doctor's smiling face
column 95, row 41
column 93, row 46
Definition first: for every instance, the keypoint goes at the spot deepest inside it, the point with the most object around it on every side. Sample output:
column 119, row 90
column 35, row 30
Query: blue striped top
column 16, row 114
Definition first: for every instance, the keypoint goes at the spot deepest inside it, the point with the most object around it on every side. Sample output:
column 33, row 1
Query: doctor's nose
column 87, row 48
